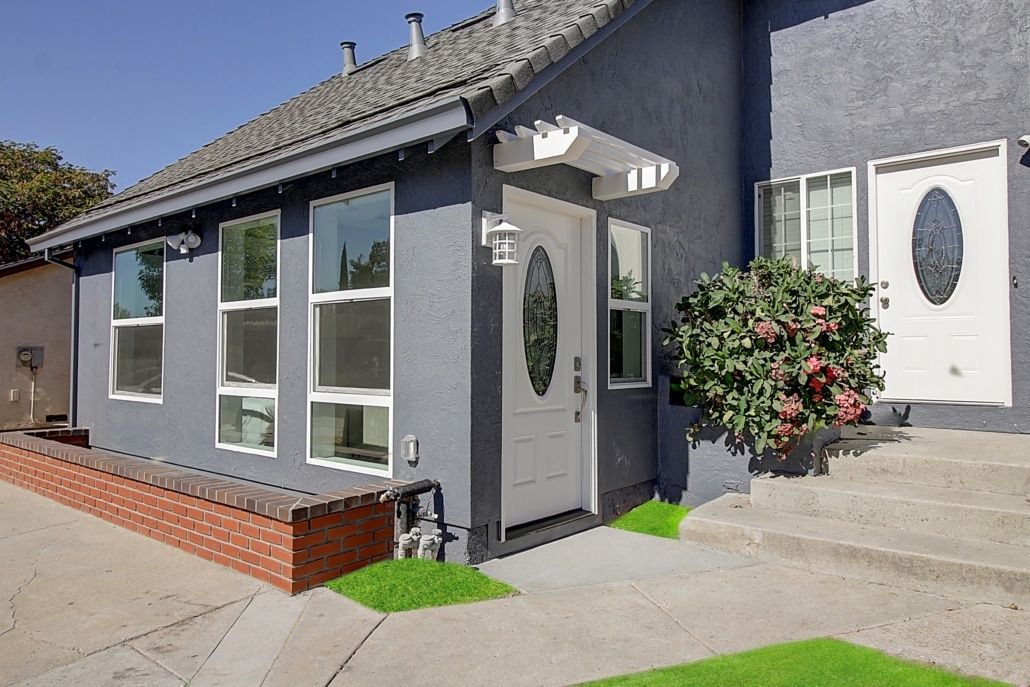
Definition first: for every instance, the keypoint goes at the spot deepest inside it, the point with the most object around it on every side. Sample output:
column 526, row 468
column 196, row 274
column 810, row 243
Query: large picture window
column 350, row 398
column 248, row 325
column 810, row 219
column 629, row 305
column 137, row 322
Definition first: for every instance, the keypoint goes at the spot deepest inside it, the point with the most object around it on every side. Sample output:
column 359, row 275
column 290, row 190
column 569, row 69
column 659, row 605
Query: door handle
column 578, row 386
column 885, row 302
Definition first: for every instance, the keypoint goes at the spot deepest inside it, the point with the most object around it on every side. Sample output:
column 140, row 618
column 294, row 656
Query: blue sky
column 133, row 86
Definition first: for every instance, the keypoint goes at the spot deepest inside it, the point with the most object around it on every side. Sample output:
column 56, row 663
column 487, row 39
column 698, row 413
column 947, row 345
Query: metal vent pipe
column 505, row 12
column 350, row 58
column 417, row 42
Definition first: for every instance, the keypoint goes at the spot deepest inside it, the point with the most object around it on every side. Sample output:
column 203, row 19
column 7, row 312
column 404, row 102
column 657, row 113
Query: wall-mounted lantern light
column 502, row 237
column 184, row 242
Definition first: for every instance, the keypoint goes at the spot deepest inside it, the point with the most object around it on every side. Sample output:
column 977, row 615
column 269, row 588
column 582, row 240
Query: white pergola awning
column 622, row 169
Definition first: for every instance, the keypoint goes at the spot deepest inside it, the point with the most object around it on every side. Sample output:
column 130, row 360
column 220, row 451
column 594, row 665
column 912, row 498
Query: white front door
column 543, row 415
column 940, row 231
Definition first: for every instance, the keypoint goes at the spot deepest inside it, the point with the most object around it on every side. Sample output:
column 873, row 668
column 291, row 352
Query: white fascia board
column 450, row 117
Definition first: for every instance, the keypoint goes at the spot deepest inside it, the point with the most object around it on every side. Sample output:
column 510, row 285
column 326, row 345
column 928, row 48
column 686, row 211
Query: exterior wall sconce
column 502, row 237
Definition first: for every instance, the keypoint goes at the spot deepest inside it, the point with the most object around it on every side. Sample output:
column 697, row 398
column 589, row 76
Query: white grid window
column 137, row 322
column 810, row 219
column 350, row 405
column 629, row 305
column 248, row 334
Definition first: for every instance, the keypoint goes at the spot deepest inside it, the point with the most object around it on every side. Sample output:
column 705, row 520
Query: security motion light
column 184, row 242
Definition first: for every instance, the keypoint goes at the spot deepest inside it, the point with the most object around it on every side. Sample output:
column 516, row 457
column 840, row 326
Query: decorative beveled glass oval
column 540, row 321
column 937, row 248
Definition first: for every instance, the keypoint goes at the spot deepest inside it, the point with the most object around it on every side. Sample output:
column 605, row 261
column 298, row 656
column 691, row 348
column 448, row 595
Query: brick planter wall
column 293, row 542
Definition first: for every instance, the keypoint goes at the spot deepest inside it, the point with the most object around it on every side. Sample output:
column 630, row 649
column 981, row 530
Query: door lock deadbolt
column 885, row 284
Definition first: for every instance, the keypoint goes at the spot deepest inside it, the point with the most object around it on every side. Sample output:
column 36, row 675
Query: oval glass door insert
column 937, row 246
column 540, row 321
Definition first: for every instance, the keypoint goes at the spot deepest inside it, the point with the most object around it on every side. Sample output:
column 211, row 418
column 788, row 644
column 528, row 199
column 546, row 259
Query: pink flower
column 827, row 326
column 792, row 328
column 785, row 430
column 791, row 407
column 814, row 364
column 819, row 311
column 766, row 330
column 850, row 408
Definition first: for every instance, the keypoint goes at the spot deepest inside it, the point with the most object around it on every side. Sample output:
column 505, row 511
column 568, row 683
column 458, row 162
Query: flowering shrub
column 777, row 352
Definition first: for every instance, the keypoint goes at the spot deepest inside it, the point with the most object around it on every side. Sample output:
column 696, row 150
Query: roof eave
column 434, row 122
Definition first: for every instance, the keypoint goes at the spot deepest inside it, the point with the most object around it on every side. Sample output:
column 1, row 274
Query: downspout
column 73, row 388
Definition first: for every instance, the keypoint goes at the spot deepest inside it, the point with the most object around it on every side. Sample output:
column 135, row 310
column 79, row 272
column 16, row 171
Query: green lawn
column 654, row 517
column 407, row 584
column 815, row 663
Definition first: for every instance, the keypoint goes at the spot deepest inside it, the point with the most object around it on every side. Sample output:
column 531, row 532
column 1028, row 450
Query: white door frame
column 588, row 279
column 1001, row 146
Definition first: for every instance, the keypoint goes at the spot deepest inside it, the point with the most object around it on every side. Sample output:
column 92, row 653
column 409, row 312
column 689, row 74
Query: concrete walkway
column 84, row 602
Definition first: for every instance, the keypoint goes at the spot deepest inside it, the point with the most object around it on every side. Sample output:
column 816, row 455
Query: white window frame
column 803, row 190
column 635, row 306
column 137, row 322
column 341, row 396
column 222, row 388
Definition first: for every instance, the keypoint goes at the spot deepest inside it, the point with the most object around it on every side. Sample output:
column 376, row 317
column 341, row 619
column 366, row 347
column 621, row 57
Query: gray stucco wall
column 669, row 82
column 836, row 83
column 431, row 273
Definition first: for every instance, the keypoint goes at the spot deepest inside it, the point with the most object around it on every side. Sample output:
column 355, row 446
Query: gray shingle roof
column 485, row 65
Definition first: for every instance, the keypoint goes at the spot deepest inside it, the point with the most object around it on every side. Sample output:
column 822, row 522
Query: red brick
column 309, row 540
column 325, row 521
column 261, row 547
column 358, row 540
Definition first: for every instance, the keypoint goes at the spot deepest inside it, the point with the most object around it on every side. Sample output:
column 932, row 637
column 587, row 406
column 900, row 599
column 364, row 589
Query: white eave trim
column 435, row 124
column 621, row 169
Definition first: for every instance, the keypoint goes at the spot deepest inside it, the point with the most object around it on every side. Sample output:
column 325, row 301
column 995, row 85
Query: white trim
column 620, row 169
column 241, row 390
column 872, row 168
column 378, row 398
column 630, row 306
column 802, row 180
column 112, row 393
column 588, row 288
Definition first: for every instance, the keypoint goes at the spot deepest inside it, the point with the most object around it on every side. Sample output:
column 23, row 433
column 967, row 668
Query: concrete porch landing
column 83, row 602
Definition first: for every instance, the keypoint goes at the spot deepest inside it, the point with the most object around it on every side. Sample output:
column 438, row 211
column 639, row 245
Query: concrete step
column 973, row 461
column 1001, row 518
column 945, row 565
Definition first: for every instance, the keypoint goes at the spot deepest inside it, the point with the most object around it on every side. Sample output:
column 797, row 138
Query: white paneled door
column 544, row 407
column 940, row 237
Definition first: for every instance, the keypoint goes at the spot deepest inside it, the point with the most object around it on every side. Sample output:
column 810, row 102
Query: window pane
column 137, row 359
column 627, row 347
column 249, row 260
column 353, row 342
column 139, row 282
column 350, row 434
column 840, row 189
column 352, row 244
column 247, row 422
column 249, row 342
column 781, row 220
column 629, row 264
column 830, row 225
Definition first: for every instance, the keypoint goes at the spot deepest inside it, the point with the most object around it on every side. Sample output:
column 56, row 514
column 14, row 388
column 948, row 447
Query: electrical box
column 30, row 356
column 15, row 395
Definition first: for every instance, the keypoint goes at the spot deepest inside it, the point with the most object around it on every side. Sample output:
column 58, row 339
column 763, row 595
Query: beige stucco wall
column 35, row 310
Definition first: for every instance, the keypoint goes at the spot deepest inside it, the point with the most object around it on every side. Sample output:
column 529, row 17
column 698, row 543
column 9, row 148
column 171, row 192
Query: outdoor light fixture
column 184, row 242
column 502, row 237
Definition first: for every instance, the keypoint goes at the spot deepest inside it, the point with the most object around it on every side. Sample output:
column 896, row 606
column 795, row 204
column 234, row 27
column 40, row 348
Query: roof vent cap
column 505, row 12
column 417, row 42
column 350, row 60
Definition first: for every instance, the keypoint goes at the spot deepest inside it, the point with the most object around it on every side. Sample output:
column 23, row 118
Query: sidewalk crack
column 673, row 618
column 356, row 649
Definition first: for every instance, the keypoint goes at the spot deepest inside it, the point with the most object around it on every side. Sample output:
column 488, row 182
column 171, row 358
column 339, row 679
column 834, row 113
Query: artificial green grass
column 814, row 663
column 411, row 583
column 654, row 517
